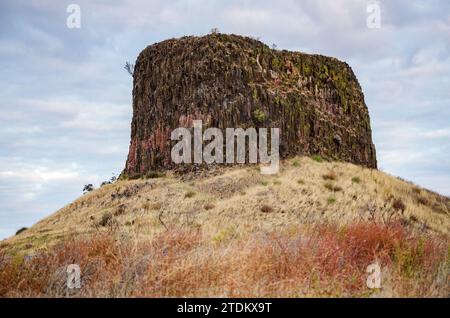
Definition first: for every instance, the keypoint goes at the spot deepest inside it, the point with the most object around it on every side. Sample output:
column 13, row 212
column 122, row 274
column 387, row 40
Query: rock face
column 234, row 81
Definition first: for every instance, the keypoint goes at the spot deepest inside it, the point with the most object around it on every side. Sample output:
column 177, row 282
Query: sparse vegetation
column 152, row 229
column 317, row 158
column 121, row 209
column 330, row 176
column 23, row 229
column 106, row 219
column 155, row 174
column 266, row 208
column 331, row 200
column 356, row 180
column 129, row 68
column 295, row 163
column 155, row 206
column 330, row 186
column 88, row 188
column 225, row 234
column 422, row 200
column 399, row 205
column 185, row 263
column 110, row 181
column 189, row 194
column 259, row 115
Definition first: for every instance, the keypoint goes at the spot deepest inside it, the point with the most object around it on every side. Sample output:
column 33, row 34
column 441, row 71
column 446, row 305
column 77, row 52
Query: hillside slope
column 238, row 204
column 304, row 192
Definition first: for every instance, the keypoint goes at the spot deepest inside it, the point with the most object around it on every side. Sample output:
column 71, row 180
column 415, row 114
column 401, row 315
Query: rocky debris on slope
column 234, row 81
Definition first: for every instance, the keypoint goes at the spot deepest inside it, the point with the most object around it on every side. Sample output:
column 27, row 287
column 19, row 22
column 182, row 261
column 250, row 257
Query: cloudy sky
column 65, row 99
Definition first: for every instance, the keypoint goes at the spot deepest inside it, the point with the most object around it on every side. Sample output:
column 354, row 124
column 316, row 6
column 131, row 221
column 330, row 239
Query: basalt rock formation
column 234, row 81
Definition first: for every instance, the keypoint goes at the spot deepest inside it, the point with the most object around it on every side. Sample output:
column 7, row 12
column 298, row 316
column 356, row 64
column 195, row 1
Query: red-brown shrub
column 323, row 260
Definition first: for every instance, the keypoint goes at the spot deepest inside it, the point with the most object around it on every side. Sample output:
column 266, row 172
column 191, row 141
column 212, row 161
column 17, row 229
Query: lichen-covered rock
column 234, row 81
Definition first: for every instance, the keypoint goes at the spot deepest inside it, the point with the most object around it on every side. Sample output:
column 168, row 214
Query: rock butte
column 234, row 81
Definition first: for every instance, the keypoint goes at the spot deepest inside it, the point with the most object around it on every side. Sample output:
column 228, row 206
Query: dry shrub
column 332, row 187
column 330, row 176
column 121, row 209
column 422, row 200
column 106, row 219
column 356, row 179
column 189, row 194
column 266, row 208
column 399, row 205
column 322, row 260
column 23, row 229
column 175, row 241
column 45, row 273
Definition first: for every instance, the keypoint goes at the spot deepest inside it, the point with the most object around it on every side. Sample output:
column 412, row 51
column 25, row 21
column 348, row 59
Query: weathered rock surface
column 234, row 81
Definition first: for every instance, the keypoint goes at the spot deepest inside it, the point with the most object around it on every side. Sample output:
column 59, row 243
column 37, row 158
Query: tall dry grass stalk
column 319, row 260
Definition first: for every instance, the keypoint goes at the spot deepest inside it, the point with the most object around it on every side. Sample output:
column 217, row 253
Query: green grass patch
column 356, row 180
column 317, row 158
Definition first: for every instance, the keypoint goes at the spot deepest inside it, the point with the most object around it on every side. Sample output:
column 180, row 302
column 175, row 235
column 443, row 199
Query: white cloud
column 439, row 133
column 248, row 16
column 81, row 115
column 38, row 174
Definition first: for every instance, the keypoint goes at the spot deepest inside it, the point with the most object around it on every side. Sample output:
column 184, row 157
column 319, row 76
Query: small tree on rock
column 129, row 68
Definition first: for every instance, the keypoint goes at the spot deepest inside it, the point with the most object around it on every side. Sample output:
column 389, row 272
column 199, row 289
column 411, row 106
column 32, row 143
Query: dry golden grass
column 236, row 196
column 320, row 260
column 236, row 205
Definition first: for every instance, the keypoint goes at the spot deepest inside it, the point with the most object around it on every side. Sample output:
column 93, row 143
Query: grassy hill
column 311, row 230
